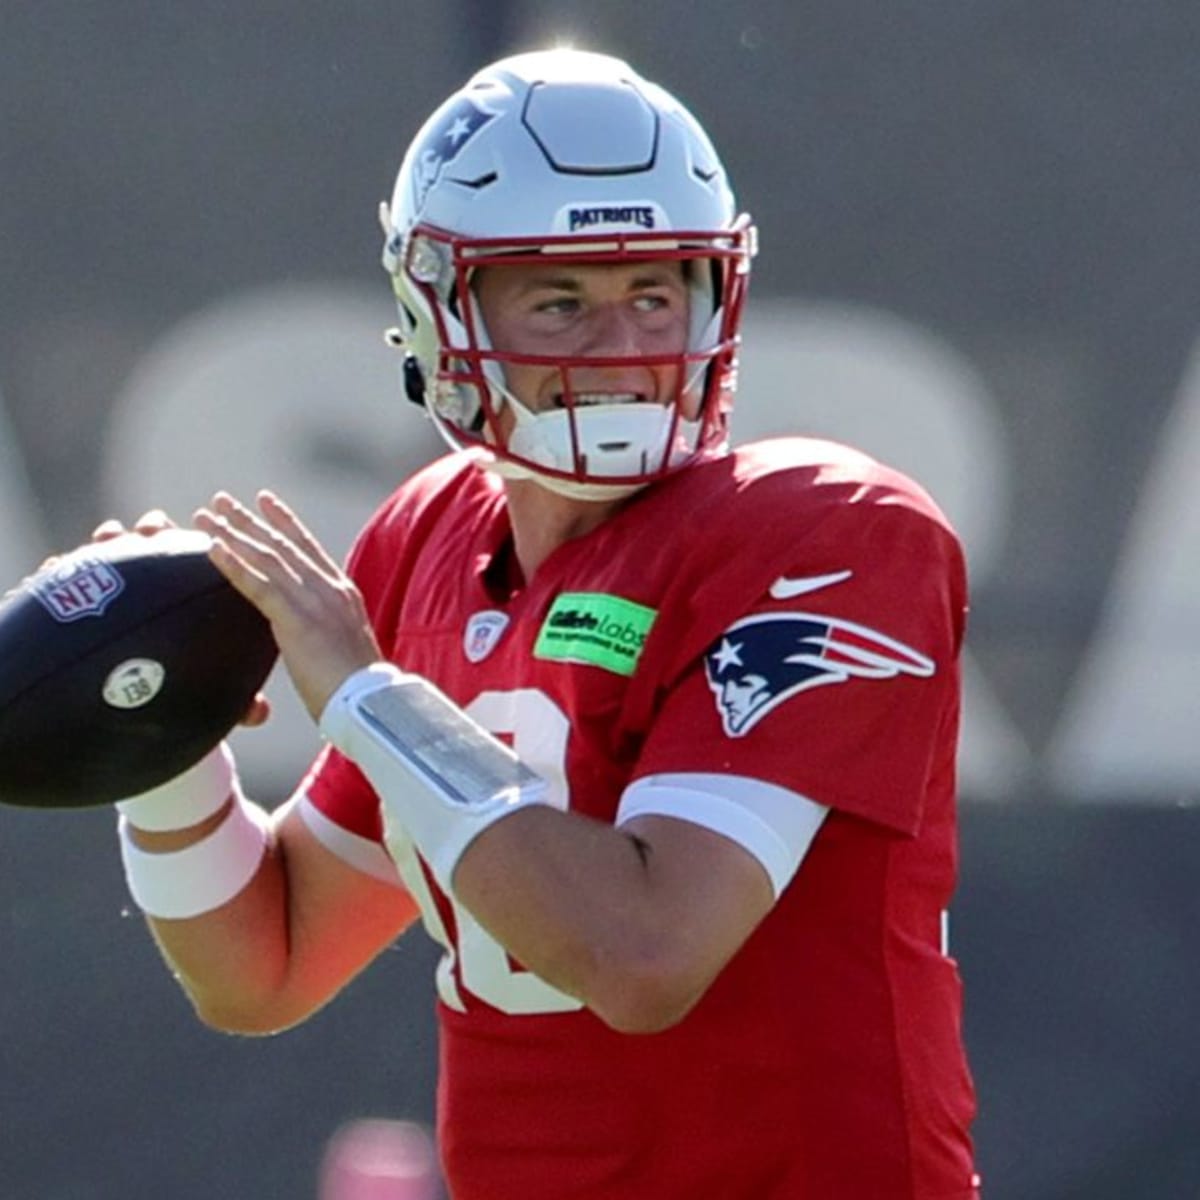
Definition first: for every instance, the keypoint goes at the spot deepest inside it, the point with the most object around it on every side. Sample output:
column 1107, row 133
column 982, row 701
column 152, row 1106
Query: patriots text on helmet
column 641, row 215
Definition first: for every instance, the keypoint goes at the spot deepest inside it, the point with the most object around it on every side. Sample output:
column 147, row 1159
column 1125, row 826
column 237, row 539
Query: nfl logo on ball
column 83, row 589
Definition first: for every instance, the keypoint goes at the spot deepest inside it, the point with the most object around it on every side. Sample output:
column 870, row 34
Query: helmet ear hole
column 414, row 380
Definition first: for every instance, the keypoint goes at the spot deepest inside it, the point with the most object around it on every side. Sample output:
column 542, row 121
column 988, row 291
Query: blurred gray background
column 981, row 259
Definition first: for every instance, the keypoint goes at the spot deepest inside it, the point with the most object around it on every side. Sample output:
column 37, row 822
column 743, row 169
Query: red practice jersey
column 790, row 613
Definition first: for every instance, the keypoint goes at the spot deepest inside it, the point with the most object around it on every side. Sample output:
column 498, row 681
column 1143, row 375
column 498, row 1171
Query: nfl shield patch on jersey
column 484, row 630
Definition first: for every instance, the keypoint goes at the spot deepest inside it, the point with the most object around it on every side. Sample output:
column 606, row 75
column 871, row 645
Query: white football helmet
column 568, row 153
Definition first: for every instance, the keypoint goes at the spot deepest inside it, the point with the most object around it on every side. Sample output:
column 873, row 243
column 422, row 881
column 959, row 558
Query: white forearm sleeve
column 438, row 773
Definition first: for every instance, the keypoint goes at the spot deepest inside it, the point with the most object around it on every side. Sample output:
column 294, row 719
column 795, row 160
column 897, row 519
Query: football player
column 656, row 737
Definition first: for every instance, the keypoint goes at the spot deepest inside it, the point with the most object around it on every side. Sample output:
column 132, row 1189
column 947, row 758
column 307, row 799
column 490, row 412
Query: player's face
column 567, row 311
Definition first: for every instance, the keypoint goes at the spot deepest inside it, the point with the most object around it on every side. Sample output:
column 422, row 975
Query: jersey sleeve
column 836, row 677
column 339, row 790
column 342, row 812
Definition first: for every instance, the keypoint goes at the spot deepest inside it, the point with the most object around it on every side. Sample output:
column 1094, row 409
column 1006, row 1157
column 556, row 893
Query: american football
column 122, row 664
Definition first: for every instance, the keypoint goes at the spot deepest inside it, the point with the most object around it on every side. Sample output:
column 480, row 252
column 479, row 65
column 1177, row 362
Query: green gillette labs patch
column 592, row 627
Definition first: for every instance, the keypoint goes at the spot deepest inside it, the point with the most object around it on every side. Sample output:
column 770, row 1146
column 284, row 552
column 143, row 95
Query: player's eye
column 652, row 302
column 558, row 305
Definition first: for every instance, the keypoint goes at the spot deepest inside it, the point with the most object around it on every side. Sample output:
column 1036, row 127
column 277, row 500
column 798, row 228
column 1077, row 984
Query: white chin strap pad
column 613, row 439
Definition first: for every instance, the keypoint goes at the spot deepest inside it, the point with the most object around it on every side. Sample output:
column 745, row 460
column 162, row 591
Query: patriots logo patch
column 763, row 660
column 459, row 125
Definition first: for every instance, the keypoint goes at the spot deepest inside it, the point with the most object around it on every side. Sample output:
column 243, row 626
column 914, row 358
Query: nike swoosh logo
column 785, row 589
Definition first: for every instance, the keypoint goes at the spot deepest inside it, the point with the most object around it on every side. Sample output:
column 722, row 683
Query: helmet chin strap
column 626, row 438
column 619, row 439
column 573, row 488
column 445, row 416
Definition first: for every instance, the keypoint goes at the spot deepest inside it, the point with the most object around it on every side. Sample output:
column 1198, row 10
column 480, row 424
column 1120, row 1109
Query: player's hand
column 149, row 523
column 316, row 612
column 153, row 521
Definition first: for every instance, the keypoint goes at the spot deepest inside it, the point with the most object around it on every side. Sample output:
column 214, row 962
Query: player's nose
column 612, row 331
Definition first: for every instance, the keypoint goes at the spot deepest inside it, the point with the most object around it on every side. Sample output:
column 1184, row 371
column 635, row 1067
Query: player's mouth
column 586, row 399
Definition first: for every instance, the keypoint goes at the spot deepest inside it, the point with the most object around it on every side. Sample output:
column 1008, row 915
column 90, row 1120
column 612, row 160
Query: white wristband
column 438, row 773
column 187, row 799
column 202, row 877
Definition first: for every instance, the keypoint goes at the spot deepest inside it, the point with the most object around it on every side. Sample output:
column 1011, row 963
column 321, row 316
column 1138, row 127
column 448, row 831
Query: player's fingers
column 258, row 713
column 108, row 529
column 261, row 532
column 152, row 522
column 290, row 536
column 236, row 513
column 257, row 558
column 244, row 530
column 280, row 514
column 149, row 523
column 322, row 639
column 256, row 586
